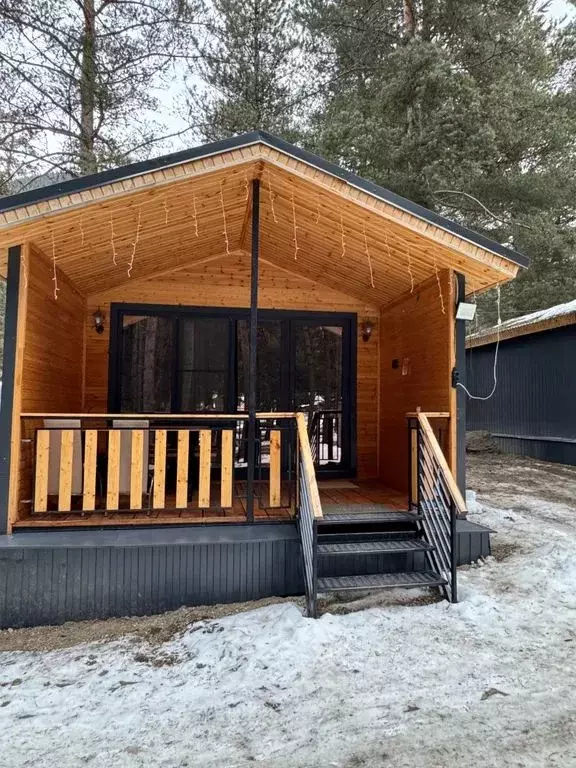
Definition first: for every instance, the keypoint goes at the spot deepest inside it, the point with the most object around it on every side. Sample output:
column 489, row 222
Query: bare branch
column 481, row 204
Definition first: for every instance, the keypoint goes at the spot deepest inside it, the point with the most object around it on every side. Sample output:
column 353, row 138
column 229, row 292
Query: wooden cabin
column 214, row 358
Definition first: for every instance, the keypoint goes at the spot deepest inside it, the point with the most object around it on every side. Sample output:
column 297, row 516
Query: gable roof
column 544, row 320
column 122, row 173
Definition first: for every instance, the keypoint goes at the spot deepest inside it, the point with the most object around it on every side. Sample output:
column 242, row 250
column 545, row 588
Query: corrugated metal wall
column 52, row 577
column 533, row 410
column 56, row 576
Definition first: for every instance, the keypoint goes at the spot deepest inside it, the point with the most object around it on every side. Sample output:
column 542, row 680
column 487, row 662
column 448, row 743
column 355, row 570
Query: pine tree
column 251, row 72
column 77, row 80
column 468, row 108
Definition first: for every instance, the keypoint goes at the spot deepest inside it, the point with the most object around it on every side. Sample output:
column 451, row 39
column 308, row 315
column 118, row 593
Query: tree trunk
column 257, row 31
column 409, row 19
column 87, row 161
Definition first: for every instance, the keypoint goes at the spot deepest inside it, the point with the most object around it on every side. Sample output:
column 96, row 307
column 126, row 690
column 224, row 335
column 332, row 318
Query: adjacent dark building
column 533, row 410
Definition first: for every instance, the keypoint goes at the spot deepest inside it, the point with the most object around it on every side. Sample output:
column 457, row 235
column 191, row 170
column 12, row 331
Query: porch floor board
column 366, row 492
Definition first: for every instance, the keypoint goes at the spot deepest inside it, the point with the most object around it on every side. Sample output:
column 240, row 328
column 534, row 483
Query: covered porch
column 191, row 337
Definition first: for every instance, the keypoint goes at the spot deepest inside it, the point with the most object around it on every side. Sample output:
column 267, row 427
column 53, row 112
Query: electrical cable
column 495, row 367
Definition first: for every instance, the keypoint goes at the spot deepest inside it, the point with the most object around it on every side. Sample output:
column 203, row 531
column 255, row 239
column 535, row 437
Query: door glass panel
column 147, row 346
column 268, row 366
column 203, row 356
column 202, row 391
column 318, row 387
column 268, row 379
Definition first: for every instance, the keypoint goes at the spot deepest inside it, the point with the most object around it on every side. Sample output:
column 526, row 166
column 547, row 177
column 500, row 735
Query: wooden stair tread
column 402, row 579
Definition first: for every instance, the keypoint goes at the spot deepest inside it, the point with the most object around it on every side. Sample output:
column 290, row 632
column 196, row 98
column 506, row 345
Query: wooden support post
column 413, row 464
column 253, row 351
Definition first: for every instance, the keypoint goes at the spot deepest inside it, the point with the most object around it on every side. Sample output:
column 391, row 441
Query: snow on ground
column 487, row 682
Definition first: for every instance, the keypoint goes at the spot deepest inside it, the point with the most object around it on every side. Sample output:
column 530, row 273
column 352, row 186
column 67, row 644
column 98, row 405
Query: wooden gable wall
column 54, row 341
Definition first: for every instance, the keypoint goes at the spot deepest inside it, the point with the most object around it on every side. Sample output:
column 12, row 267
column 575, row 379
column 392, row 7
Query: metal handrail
column 439, row 502
column 309, row 512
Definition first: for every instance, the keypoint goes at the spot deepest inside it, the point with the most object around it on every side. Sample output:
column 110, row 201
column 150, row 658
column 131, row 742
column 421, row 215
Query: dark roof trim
column 246, row 139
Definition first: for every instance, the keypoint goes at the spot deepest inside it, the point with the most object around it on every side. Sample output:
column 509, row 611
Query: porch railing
column 437, row 498
column 108, row 463
column 325, row 433
column 309, row 512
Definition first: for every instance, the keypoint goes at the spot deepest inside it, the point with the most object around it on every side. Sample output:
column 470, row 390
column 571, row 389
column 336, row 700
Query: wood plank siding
column 51, row 340
column 416, row 360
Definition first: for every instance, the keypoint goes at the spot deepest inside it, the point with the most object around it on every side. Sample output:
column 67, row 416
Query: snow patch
column 488, row 681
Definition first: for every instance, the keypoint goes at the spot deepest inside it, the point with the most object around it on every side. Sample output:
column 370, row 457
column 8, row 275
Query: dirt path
column 501, row 478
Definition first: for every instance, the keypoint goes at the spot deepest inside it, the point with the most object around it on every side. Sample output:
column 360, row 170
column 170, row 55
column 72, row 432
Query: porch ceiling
column 312, row 223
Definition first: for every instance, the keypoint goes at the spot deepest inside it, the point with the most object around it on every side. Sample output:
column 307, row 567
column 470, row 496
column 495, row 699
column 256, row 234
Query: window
column 146, row 349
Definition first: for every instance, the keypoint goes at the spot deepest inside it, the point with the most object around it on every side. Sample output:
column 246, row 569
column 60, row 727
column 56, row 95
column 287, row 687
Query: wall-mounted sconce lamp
column 367, row 328
column 98, row 318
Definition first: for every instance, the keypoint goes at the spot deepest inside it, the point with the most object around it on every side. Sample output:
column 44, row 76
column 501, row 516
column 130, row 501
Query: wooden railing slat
column 182, row 469
column 90, row 455
column 275, row 468
column 136, row 468
column 65, row 474
column 227, row 470
column 113, row 484
column 42, row 462
column 205, row 467
column 159, row 494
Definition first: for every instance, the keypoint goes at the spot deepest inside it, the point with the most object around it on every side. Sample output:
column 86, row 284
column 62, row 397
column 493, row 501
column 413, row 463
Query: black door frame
column 347, row 320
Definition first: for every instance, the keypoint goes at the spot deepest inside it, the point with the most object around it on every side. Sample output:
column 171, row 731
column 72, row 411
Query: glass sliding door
column 319, row 357
column 179, row 360
column 270, row 389
column 203, row 364
column 146, row 347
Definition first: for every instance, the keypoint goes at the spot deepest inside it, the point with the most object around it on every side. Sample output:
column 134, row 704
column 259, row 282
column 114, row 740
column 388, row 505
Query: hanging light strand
column 113, row 242
column 135, row 242
column 246, row 187
column 271, row 195
column 368, row 257
column 387, row 245
column 295, row 227
column 24, row 266
column 195, row 215
column 225, row 232
column 410, row 268
column 54, row 272
column 439, row 287
column 82, row 230
column 165, row 206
